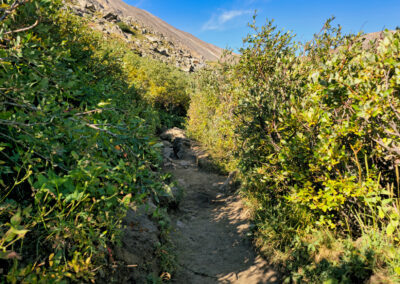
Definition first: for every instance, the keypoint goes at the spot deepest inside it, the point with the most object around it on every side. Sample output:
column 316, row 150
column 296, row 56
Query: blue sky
column 224, row 23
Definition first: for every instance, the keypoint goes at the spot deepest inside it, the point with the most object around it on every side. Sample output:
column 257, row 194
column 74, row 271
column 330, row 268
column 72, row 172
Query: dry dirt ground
column 210, row 230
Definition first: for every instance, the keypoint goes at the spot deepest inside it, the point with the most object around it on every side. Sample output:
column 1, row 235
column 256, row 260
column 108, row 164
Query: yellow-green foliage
column 316, row 137
column 165, row 87
column 211, row 117
column 77, row 145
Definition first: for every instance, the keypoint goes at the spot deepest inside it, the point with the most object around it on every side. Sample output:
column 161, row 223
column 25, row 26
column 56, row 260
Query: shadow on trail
column 210, row 231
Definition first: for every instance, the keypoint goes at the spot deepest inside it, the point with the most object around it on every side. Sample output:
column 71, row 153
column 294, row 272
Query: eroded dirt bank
column 211, row 225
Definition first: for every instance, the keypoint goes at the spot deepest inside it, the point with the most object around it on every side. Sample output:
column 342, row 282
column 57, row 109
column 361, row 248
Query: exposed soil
column 210, row 230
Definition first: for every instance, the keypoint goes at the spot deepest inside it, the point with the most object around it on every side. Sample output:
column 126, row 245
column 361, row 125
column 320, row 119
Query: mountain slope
column 197, row 47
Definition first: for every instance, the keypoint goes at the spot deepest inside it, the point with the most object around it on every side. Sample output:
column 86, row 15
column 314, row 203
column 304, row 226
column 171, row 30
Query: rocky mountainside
column 149, row 35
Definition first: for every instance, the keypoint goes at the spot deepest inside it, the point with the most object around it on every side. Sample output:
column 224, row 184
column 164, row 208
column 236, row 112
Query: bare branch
column 94, row 111
column 396, row 132
column 395, row 150
column 21, row 106
column 16, row 123
column 89, row 112
column 100, row 129
column 396, row 112
column 387, row 79
column 93, row 126
column 23, row 29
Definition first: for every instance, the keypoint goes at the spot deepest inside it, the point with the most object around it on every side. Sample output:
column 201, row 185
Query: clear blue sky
column 224, row 22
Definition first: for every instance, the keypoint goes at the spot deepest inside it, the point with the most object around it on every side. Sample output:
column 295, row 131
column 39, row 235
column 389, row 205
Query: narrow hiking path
column 210, row 227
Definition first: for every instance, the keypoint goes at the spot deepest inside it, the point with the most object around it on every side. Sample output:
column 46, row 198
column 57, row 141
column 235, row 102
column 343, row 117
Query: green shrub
column 163, row 86
column 315, row 134
column 126, row 28
column 211, row 117
column 77, row 146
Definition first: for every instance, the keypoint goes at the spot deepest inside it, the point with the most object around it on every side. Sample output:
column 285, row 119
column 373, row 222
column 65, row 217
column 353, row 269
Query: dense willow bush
column 165, row 87
column 316, row 137
column 320, row 129
column 211, row 114
column 77, row 143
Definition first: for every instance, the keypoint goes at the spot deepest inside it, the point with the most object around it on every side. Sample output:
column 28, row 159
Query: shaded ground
column 210, row 231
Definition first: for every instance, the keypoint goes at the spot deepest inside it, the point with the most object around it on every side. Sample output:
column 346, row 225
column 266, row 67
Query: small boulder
column 167, row 144
column 178, row 147
column 162, row 51
column 185, row 164
column 168, row 153
column 111, row 16
column 139, row 242
column 90, row 7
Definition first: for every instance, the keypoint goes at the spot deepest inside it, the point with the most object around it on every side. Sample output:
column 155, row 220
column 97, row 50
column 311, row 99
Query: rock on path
column 210, row 230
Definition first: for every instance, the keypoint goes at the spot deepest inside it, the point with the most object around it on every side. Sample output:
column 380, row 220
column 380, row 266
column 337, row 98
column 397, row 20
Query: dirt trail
column 210, row 231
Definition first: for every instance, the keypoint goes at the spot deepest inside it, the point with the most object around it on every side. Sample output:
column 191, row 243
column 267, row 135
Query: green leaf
column 391, row 228
column 381, row 213
column 331, row 281
column 16, row 219
column 75, row 155
column 74, row 196
column 20, row 232
column 44, row 83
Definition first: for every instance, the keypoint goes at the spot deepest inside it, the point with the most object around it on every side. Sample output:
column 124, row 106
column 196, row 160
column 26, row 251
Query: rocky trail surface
column 211, row 225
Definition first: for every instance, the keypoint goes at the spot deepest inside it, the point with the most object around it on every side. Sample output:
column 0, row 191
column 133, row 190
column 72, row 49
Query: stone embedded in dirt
column 179, row 147
column 180, row 224
column 167, row 144
column 185, row 164
column 168, row 153
column 169, row 165
column 175, row 138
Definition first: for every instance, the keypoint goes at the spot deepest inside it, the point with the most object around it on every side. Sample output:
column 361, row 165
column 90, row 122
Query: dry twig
column 22, row 29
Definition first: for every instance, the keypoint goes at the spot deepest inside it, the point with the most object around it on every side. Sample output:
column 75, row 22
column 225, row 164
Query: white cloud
column 220, row 21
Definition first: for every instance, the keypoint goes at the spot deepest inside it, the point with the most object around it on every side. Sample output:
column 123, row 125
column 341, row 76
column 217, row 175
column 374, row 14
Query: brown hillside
column 198, row 47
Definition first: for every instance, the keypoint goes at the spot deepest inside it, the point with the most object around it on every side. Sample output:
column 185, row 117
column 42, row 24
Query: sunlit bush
column 77, row 145
column 315, row 132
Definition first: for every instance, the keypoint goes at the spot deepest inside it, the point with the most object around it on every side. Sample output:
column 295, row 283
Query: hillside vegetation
column 78, row 117
column 314, row 131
